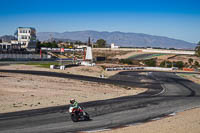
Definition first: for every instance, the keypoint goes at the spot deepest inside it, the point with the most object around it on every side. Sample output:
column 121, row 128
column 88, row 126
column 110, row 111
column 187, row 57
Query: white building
column 113, row 46
column 5, row 46
column 26, row 37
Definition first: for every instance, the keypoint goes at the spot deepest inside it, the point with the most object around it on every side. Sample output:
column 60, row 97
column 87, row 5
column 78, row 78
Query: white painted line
column 99, row 130
column 172, row 114
column 164, row 89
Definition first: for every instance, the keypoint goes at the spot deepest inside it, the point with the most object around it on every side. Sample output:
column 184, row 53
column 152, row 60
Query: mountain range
column 120, row 39
column 7, row 38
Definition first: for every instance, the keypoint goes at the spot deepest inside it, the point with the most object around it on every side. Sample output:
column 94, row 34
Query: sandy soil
column 95, row 71
column 185, row 58
column 23, row 92
column 163, row 57
column 193, row 77
column 183, row 122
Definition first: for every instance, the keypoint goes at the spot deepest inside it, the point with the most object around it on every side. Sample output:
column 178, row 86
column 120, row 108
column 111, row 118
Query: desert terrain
column 183, row 122
column 23, row 92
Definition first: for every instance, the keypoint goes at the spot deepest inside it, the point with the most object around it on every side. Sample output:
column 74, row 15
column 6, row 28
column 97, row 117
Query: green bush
column 126, row 61
column 168, row 64
column 150, row 62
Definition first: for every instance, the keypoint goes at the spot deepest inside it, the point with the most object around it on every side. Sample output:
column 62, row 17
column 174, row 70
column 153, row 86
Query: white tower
column 89, row 54
column 88, row 59
column 27, row 37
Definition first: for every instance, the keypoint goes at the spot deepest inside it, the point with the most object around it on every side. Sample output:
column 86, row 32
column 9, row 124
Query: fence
column 7, row 56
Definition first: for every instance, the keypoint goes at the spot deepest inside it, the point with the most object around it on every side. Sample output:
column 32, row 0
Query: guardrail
column 165, row 51
column 140, row 68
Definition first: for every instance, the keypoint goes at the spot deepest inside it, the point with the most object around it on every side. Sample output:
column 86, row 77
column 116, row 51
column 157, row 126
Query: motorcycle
column 78, row 114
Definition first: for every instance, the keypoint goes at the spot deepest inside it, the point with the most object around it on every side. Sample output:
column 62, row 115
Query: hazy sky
column 178, row 19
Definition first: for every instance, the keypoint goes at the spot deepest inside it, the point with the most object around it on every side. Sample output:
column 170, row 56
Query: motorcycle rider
column 74, row 104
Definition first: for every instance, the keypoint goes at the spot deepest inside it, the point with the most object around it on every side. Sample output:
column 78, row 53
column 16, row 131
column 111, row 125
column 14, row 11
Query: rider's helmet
column 72, row 101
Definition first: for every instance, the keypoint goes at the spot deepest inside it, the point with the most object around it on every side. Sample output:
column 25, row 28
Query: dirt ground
column 23, row 92
column 184, row 58
column 193, row 77
column 183, row 122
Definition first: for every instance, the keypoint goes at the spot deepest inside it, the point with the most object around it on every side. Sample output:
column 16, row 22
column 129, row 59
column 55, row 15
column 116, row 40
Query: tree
column 47, row 45
column 196, row 63
column 186, row 64
column 190, row 61
column 38, row 44
column 101, row 43
column 197, row 49
column 166, row 64
column 54, row 44
column 179, row 64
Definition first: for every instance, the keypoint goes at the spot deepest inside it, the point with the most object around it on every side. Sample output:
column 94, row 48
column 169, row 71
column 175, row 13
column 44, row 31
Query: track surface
column 167, row 94
column 141, row 56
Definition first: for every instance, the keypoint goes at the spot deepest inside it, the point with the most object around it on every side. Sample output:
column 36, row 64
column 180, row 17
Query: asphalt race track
column 167, row 94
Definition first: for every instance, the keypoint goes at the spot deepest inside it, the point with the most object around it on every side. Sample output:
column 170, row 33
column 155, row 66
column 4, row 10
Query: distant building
column 25, row 39
column 81, row 46
column 113, row 46
column 5, row 46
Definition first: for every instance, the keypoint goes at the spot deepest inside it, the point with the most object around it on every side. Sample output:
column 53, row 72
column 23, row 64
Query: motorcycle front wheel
column 74, row 118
